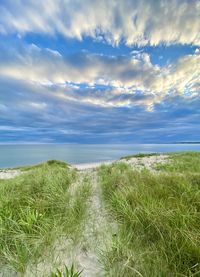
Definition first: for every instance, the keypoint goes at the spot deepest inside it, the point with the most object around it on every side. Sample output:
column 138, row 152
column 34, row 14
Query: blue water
column 16, row 155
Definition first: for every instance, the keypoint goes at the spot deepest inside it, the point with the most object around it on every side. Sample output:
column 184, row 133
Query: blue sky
column 99, row 71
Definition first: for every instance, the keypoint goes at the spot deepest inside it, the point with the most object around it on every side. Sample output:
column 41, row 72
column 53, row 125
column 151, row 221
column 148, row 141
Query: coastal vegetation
column 37, row 208
column 122, row 219
column 158, row 218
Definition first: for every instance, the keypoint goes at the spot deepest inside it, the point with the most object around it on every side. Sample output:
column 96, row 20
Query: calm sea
column 16, row 155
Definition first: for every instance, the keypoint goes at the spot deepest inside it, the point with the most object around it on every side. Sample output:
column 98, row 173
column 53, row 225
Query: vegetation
column 50, row 163
column 182, row 162
column 139, row 155
column 158, row 217
column 36, row 208
column 67, row 273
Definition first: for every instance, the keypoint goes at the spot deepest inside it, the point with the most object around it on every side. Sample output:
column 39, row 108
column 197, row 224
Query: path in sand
column 98, row 232
column 96, row 237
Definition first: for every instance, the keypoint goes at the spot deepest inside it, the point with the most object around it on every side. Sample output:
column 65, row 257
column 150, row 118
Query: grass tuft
column 66, row 273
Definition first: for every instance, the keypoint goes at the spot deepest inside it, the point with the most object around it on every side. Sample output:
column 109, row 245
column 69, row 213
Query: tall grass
column 35, row 209
column 182, row 162
column 158, row 217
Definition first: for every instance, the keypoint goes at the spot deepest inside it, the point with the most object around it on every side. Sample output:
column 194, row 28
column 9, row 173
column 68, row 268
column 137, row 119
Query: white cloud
column 132, row 21
column 132, row 79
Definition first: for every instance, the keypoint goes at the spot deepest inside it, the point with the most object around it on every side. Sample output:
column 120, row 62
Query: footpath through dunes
column 58, row 220
column 138, row 216
column 87, row 250
column 98, row 231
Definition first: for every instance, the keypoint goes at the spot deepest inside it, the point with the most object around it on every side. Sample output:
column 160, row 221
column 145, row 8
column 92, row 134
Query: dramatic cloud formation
column 126, row 80
column 132, row 21
column 99, row 71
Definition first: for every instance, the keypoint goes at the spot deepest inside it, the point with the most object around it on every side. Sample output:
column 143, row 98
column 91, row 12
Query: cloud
column 50, row 96
column 55, row 120
column 132, row 21
column 103, row 80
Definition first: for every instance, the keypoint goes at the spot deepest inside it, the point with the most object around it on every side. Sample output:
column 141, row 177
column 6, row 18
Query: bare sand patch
column 86, row 166
column 139, row 163
column 8, row 174
column 148, row 162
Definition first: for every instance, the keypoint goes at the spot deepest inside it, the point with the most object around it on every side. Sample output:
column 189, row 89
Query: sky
column 90, row 71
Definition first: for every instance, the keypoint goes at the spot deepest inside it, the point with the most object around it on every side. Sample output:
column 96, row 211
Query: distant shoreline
column 187, row 142
column 74, row 143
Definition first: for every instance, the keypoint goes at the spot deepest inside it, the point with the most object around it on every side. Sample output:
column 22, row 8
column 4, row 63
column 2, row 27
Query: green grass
column 182, row 162
column 47, row 163
column 158, row 218
column 66, row 273
column 36, row 208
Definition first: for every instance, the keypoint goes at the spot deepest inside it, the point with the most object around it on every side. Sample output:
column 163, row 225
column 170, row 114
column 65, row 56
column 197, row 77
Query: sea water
column 17, row 155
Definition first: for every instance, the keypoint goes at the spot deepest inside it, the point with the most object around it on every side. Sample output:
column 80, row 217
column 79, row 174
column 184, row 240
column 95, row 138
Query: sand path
column 96, row 238
column 98, row 232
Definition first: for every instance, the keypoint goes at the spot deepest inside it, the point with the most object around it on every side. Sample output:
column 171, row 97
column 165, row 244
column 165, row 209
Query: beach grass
column 139, row 155
column 36, row 208
column 46, row 163
column 182, row 162
column 68, row 272
column 158, row 218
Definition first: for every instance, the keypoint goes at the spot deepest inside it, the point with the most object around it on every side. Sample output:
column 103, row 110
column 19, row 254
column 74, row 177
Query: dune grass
column 47, row 163
column 158, row 217
column 139, row 155
column 182, row 162
column 36, row 208
column 66, row 273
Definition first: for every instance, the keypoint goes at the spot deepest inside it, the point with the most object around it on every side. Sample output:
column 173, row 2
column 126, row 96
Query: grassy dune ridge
column 158, row 217
column 36, row 208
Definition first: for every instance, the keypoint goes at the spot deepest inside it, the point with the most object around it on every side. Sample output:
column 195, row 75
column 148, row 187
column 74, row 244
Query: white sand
column 147, row 162
column 8, row 174
column 135, row 162
column 86, row 166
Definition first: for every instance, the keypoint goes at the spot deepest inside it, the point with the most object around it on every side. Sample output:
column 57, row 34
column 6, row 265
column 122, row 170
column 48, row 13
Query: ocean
column 17, row 155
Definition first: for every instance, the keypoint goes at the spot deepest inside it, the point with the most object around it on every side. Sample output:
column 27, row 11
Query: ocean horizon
column 12, row 155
